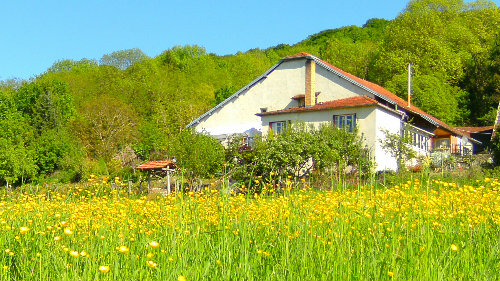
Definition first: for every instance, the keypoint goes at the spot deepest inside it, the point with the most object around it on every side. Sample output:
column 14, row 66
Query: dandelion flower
column 390, row 273
column 181, row 278
column 123, row 249
column 154, row 244
column 24, row 230
column 152, row 264
column 150, row 255
column 454, row 247
column 74, row 254
column 104, row 268
column 68, row 231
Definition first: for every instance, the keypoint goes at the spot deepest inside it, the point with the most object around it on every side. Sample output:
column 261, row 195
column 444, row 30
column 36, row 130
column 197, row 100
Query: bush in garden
column 296, row 152
column 197, row 154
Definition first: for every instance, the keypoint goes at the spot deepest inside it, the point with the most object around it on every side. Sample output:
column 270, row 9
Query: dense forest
column 89, row 116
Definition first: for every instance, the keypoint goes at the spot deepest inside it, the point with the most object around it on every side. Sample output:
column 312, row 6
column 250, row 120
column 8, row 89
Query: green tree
column 434, row 95
column 66, row 65
column 352, row 56
column 123, row 59
column 16, row 157
column 438, row 36
column 399, row 146
column 223, row 93
column 298, row 150
column 104, row 126
column 46, row 104
column 482, row 82
column 198, row 155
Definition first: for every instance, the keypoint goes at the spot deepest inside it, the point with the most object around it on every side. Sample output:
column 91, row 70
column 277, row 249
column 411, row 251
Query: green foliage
column 223, row 93
column 67, row 65
column 437, row 36
column 104, row 126
column 399, row 146
column 47, row 104
column 180, row 56
column 482, row 82
column 435, row 96
column 495, row 148
column 338, row 148
column 197, row 154
column 297, row 151
column 16, row 157
column 123, row 59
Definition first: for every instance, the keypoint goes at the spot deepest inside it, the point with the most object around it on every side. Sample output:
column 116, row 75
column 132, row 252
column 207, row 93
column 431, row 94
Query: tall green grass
column 416, row 230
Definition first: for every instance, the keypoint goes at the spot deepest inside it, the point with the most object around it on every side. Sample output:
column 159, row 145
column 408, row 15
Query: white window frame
column 345, row 121
column 278, row 127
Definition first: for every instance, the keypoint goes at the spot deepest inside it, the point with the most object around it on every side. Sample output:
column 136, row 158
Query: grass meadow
column 416, row 230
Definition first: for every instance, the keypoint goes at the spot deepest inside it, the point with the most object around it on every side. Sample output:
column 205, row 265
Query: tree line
column 102, row 116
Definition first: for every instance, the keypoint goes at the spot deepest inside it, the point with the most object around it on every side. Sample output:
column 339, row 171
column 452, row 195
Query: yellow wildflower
column 104, row 268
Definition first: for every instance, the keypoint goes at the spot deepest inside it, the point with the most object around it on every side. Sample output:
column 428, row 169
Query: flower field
column 432, row 230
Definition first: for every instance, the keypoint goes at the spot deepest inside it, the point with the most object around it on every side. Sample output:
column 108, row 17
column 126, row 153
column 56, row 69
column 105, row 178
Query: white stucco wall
column 274, row 93
column 332, row 87
column 391, row 122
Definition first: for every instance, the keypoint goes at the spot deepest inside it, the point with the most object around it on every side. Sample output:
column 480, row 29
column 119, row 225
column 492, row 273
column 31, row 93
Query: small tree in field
column 399, row 146
column 199, row 155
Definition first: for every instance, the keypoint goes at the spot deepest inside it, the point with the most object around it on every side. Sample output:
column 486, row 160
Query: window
column 418, row 138
column 278, row 126
column 442, row 144
column 347, row 122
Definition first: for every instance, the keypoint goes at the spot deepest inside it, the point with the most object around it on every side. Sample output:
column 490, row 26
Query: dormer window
column 301, row 99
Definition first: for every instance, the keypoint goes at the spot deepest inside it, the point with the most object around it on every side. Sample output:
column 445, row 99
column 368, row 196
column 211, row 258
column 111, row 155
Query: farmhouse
column 306, row 88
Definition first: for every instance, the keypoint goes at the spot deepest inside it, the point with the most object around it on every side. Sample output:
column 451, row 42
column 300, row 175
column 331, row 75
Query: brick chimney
column 310, row 99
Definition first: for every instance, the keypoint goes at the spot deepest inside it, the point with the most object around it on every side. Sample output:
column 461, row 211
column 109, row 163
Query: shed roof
column 155, row 165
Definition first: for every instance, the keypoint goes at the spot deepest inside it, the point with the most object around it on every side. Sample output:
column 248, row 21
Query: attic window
column 263, row 109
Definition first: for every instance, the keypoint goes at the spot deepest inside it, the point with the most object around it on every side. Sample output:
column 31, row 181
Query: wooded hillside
column 89, row 116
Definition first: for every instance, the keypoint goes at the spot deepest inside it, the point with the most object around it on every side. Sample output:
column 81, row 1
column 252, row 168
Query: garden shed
column 159, row 169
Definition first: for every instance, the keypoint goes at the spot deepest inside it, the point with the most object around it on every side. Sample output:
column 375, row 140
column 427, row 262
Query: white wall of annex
column 391, row 122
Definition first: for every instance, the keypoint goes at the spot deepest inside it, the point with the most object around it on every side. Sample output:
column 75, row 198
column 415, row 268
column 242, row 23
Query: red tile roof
column 475, row 129
column 374, row 87
column 471, row 130
column 157, row 165
column 335, row 104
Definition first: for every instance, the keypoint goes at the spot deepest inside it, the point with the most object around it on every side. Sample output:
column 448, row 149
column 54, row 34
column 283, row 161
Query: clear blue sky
column 37, row 33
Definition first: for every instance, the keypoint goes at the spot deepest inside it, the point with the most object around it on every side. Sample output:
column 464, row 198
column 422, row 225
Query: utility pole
column 410, row 83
